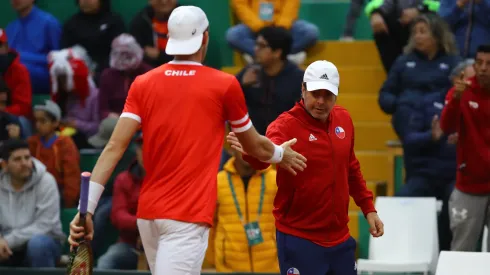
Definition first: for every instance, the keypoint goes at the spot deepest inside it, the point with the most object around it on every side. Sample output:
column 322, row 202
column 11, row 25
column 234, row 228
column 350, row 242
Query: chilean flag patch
column 339, row 131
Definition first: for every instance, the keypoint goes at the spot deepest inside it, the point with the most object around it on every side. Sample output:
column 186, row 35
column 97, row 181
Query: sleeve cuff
column 367, row 206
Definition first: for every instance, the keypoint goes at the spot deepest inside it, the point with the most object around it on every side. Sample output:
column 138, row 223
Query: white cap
column 322, row 75
column 186, row 27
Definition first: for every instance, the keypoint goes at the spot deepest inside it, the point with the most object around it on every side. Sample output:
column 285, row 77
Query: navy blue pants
column 300, row 256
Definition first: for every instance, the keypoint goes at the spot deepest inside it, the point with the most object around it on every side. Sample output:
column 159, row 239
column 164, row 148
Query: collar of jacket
column 299, row 111
column 423, row 56
column 475, row 86
column 229, row 167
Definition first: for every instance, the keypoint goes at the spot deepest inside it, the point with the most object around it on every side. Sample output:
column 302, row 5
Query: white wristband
column 278, row 154
column 94, row 193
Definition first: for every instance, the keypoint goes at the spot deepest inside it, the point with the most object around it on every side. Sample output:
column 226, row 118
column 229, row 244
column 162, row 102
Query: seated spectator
column 30, row 226
column 429, row 157
column 245, row 196
column 9, row 124
column 470, row 22
column 425, row 67
column 126, row 63
column 273, row 85
column 149, row 28
column 93, row 27
column 123, row 216
column 17, row 79
column 255, row 15
column 74, row 90
column 391, row 21
column 103, row 211
column 33, row 35
column 464, row 67
column 58, row 153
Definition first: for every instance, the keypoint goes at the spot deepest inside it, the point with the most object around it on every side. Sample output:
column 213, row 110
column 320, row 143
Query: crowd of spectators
column 86, row 67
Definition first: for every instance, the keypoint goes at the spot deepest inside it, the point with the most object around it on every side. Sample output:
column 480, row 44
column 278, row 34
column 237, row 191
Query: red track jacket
column 470, row 117
column 314, row 204
column 17, row 79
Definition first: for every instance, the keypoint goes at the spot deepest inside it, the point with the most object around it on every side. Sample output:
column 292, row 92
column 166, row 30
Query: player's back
column 183, row 128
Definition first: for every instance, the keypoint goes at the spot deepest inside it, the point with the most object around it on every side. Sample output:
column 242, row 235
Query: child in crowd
column 58, row 153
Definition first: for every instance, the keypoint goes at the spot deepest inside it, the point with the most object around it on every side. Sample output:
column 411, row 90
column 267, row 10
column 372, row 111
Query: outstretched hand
column 291, row 160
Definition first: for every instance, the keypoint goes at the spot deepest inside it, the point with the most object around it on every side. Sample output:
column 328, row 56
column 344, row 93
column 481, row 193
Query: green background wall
column 328, row 15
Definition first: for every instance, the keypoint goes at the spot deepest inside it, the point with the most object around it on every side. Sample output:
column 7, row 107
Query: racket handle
column 84, row 189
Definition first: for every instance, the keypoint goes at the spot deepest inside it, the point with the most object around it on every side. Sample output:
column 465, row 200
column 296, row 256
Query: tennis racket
column 81, row 258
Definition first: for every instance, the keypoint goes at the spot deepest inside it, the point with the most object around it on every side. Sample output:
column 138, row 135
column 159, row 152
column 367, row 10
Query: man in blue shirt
column 33, row 35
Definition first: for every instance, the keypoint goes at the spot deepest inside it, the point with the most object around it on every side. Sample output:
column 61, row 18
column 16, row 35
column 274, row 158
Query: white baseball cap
column 186, row 27
column 322, row 75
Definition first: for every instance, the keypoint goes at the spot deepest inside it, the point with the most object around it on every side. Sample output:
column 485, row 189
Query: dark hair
column 11, row 145
column 105, row 5
column 484, row 48
column 278, row 38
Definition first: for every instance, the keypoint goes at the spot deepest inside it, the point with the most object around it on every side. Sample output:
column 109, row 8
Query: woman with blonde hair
column 414, row 94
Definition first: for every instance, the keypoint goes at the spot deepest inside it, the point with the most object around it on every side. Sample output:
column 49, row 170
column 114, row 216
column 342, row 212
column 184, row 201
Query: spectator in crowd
column 467, row 112
column 273, row 85
column 33, row 35
column 391, row 21
column 9, row 124
column 255, row 15
column 16, row 78
column 429, row 156
column 103, row 212
column 123, row 215
column 245, row 196
column 149, row 27
column 58, row 153
column 30, row 226
column 429, row 57
column 74, row 90
column 93, row 27
column 355, row 9
column 126, row 63
column 466, row 67
column 470, row 22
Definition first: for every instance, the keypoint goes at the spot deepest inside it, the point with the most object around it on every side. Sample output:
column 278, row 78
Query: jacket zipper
column 333, row 173
column 247, row 220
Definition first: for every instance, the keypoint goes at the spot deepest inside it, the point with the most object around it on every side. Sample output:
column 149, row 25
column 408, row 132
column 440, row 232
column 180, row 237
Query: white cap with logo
column 186, row 27
column 322, row 75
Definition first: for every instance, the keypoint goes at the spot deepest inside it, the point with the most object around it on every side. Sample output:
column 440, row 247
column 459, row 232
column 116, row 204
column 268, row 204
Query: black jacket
column 94, row 32
column 141, row 28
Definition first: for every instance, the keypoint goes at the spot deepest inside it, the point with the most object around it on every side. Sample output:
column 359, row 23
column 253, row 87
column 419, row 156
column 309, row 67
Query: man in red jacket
column 17, row 78
column 311, row 208
column 467, row 112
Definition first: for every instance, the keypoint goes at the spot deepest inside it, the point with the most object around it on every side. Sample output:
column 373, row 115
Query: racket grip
column 84, row 189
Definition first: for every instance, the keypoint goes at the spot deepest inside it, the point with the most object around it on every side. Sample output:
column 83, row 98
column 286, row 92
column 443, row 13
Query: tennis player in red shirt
column 311, row 208
column 181, row 108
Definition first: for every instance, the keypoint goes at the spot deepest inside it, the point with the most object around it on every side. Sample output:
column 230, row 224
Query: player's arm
column 254, row 144
column 451, row 114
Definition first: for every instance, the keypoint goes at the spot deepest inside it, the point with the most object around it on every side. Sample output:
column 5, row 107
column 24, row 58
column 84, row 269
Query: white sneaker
column 248, row 58
column 297, row 58
column 347, row 39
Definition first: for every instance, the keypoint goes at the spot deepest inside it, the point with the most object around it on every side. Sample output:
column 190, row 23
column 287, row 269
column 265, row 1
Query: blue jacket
column 423, row 156
column 458, row 20
column 412, row 76
column 33, row 37
column 272, row 95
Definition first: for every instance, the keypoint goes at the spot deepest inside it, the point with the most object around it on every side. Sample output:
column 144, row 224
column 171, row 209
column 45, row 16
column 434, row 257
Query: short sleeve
column 132, row 107
column 236, row 109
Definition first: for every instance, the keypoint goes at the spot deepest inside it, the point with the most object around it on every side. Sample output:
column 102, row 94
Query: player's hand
column 291, row 160
column 453, row 138
column 250, row 76
column 5, row 251
column 408, row 15
column 234, row 143
column 376, row 226
column 437, row 132
column 460, row 85
column 78, row 232
column 378, row 24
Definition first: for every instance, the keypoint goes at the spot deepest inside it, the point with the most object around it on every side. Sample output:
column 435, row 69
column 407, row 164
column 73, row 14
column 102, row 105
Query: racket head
column 81, row 262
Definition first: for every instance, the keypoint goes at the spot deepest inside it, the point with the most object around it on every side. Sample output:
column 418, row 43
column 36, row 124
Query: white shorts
column 173, row 247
